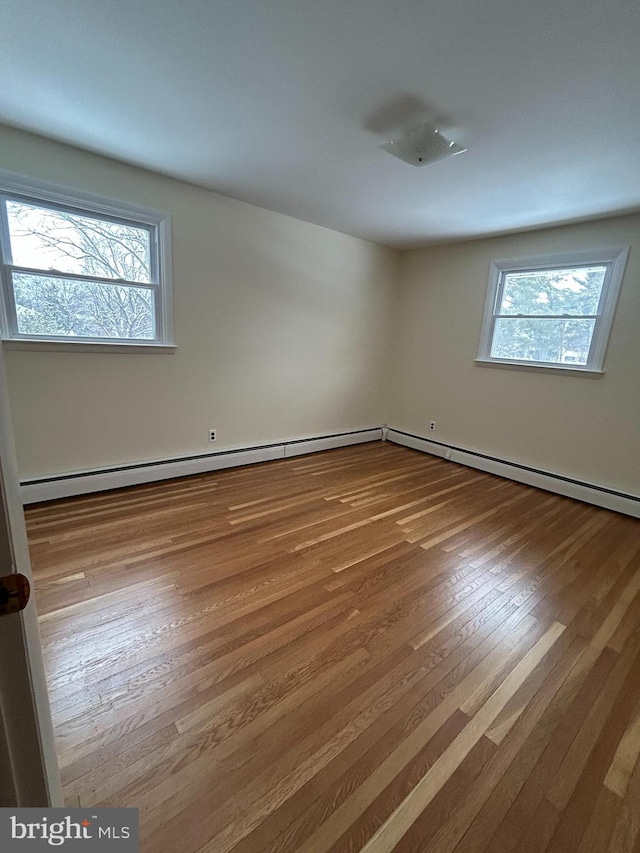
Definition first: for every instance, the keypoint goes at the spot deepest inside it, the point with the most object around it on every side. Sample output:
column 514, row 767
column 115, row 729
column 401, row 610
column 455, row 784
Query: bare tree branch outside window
column 540, row 315
column 69, row 243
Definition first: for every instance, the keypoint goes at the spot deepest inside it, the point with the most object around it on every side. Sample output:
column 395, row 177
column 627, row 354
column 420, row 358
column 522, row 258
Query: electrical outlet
column 213, row 434
column 432, row 425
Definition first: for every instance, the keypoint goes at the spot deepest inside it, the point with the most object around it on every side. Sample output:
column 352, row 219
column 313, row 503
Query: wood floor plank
column 421, row 795
column 627, row 829
column 580, row 690
column 365, row 649
column 625, row 759
column 587, row 794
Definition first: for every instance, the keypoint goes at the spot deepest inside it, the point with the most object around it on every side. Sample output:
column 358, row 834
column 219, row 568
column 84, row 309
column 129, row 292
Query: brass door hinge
column 14, row 594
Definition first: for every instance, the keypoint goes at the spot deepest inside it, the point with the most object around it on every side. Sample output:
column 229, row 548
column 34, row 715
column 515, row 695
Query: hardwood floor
column 366, row 649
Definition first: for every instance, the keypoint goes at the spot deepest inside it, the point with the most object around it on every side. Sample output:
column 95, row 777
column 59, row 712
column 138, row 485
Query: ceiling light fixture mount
column 422, row 145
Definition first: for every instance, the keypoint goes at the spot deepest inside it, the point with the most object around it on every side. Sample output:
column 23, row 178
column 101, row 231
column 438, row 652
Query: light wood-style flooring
column 365, row 649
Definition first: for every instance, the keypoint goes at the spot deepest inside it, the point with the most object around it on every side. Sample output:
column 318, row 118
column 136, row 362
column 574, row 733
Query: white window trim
column 615, row 258
column 160, row 223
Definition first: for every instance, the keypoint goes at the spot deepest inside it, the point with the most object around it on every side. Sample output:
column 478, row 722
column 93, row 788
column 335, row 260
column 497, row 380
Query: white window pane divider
column 546, row 316
column 73, row 276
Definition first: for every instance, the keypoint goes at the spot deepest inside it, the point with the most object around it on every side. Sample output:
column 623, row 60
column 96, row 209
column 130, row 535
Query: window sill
column 540, row 368
column 85, row 346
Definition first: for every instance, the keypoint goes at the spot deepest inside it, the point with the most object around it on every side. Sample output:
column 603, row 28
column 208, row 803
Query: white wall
column 281, row 326
column 287, row 330
column 577, row 426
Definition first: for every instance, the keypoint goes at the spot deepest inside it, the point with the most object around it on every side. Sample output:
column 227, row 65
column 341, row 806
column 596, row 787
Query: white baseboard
column 586, row 492
column 313, row 445
column 86, row 482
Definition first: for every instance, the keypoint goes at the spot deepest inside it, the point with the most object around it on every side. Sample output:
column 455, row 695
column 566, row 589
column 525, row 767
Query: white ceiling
column 284, row 103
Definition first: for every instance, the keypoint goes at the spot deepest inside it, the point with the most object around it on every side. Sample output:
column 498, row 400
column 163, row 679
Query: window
column 83, row 271
column 552, row 312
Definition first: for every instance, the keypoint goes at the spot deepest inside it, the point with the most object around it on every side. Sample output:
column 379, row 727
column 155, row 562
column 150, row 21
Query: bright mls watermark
column 69, row 829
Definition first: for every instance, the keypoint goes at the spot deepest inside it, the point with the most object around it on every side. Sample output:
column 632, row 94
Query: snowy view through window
column 54, row 256
column 547, row 315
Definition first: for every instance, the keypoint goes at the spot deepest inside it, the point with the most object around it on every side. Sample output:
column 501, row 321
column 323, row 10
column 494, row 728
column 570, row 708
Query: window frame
column 613, row 258
column 157, row 223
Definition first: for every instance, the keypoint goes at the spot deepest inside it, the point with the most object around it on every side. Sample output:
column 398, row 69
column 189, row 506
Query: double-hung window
column 83, row 271
column 553, row 311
